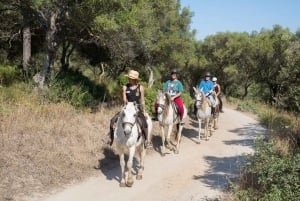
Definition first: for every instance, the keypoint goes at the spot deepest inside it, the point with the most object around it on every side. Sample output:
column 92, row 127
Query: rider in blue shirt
column 207, row 87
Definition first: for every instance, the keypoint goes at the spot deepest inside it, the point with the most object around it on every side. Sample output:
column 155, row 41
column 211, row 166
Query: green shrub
column 276, row 120
column 8, row 75
column 188, row 101
column 150, row 97
column 270, row 175
column 248, row 106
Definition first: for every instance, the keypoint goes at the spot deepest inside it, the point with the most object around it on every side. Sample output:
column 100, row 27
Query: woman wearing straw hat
column 133, row 92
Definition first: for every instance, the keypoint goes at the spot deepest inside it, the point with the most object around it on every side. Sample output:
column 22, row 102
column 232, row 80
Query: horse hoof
column 122, row 185
column 198, row 142
column 139, row 177
column 176, row 152
column 129, row 183
column 163, row 154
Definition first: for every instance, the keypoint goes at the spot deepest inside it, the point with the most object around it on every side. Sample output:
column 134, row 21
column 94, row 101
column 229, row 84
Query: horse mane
column 168, row 102
column 168, row 98
column 205, row 102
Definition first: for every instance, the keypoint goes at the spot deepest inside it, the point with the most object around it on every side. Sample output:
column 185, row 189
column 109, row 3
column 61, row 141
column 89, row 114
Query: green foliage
column 150, row 97
column 270, row 175
column 74, row 88
column 276, row 120
column 188, row 101
column 248, row 106
column 8, row 75
column 15, row 93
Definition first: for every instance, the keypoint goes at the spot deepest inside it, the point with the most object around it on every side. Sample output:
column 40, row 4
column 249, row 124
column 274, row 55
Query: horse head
column 199, row 96
column 129, row 117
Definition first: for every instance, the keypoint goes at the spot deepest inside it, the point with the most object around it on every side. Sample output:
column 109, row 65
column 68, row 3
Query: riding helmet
column 174, row 71
column 207, row 74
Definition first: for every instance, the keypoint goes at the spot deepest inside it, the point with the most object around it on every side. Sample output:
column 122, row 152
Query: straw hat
column 133, row 74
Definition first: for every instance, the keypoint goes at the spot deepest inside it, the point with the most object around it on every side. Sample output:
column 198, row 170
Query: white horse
column 167, row 117
column 128, row 141
column 204, row 114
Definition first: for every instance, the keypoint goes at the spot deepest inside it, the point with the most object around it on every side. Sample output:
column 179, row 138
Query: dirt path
column 198, row 172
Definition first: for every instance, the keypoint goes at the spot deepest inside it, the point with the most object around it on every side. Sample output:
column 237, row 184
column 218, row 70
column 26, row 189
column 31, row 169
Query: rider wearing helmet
column 175, row 88
column 207, row 86
column 217, row 89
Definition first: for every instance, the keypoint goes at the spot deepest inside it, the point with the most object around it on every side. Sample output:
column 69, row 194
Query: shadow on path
column 222, row 170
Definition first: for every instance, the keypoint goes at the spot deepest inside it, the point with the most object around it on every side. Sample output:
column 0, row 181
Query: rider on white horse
column 207, row 86
column 174, row 88
column 133, row 92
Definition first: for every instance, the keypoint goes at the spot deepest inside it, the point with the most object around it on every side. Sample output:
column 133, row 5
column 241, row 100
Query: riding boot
column 154, row 118
column 148, row 144
column 195, row 109
column 213, row 111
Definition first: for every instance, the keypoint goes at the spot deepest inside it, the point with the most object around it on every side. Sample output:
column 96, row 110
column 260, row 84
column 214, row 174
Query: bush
column 269, row 175
column 8, row 75
column 150, row 97
column 188, row 101
column 248, row 106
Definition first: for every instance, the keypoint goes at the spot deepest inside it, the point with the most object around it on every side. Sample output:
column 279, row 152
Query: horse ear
column 195, row 90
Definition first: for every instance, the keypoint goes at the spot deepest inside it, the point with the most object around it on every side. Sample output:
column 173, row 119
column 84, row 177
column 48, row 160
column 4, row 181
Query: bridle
column 130, row 124
column 200, row 101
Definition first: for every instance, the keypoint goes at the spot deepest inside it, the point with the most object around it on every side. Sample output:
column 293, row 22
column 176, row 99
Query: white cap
column 214, row 79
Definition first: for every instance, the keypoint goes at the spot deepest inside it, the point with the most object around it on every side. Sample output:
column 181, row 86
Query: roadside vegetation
column 62, row 65
column 273, row 171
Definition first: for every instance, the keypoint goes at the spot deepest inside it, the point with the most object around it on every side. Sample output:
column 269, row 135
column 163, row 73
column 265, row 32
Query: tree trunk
column 50, row 51
column 151, row 78
column 26, row 41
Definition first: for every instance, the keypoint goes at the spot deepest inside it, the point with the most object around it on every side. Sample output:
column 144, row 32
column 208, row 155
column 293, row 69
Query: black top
column 216, row 89
column 133, row 95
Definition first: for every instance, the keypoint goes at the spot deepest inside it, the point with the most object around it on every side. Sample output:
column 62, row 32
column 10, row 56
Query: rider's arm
column 219, row 89
column 177, row 95
column 143, row 99
column 124, row 95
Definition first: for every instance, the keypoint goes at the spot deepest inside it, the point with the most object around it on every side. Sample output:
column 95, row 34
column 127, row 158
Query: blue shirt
column 206, row 86
column 173, row 87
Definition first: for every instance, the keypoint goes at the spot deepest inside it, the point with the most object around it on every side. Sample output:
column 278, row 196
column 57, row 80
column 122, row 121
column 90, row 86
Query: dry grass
column 48, row 145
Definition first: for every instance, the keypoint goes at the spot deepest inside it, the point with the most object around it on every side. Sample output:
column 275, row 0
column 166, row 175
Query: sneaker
column 148, row 145
column 154, row 119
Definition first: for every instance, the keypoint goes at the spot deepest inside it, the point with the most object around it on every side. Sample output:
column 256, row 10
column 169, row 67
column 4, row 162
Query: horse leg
column 178, row 138
column 163, row 141
column 129, row 182
column 206, row 128
column 216, row 123
column 199, row 130
column 142, row 153
column 122, row 164
column 168, row 145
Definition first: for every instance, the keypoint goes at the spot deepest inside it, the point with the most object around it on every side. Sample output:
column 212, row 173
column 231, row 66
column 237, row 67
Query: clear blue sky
column 212, row 16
